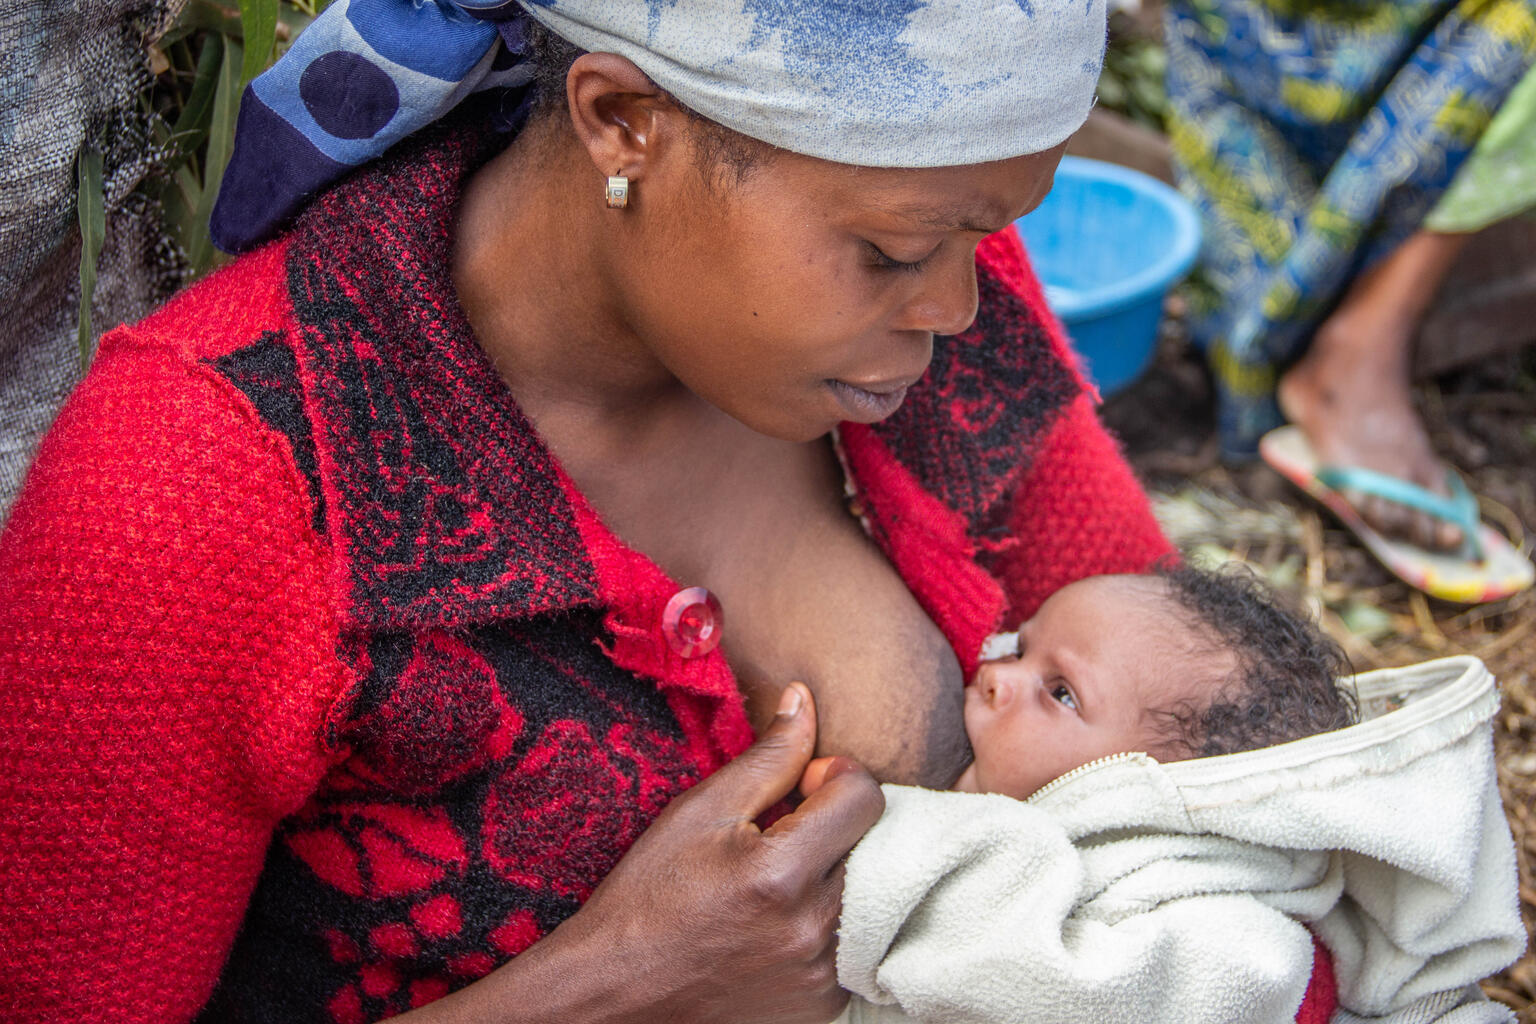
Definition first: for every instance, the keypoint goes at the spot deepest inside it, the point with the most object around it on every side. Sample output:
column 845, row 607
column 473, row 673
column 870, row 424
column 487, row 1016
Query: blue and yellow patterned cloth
column 1315, row 136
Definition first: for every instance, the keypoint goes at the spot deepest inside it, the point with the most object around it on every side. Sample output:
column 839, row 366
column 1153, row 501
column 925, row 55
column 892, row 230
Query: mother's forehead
column 983, row 197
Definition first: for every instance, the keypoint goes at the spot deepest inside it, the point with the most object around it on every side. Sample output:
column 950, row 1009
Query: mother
column 348, row 621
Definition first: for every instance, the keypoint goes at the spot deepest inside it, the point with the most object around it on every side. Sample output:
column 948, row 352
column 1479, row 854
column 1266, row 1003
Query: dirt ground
column 1484, row 421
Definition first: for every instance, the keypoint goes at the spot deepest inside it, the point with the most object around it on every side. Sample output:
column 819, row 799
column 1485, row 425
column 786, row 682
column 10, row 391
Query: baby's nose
column 986, row 681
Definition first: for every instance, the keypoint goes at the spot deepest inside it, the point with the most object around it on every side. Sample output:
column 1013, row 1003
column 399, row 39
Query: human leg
column 1299, row 180
column 1351, row 392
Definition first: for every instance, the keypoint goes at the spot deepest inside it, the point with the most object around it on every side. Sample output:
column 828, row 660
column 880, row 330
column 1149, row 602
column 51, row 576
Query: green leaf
column 191, row 127
column 226, row 108
column 221, row 136
column 258, row 20
column 92, row 208
column 204, row 16
column 179, row 197
column 1366, row 620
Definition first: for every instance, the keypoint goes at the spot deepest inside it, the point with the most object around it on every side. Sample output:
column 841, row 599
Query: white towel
column 1183, row 893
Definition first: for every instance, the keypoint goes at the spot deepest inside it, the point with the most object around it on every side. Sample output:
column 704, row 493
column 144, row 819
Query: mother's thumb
column 769, row 770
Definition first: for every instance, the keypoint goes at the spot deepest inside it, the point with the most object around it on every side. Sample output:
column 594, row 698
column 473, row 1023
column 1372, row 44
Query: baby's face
column 1097, row 656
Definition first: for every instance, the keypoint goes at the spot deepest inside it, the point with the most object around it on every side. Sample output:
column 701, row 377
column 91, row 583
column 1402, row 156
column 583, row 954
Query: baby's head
column 1179, row 663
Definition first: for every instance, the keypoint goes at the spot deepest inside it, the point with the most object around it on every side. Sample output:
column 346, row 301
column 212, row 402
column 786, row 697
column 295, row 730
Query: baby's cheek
column 973, row 717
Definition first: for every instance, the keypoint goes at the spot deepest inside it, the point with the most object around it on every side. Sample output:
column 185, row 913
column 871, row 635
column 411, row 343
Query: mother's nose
column 945, row 299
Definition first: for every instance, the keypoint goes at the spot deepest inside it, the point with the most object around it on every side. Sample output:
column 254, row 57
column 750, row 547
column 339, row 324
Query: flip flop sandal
column 1486, row 568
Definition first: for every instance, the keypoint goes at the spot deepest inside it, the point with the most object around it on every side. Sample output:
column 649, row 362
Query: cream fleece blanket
column 1183, row 893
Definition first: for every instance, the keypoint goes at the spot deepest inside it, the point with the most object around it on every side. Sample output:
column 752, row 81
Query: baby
column 1178, row 664
column 1124, row 867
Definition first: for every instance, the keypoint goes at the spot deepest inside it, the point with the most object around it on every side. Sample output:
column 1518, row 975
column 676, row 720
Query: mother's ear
column 623, row 119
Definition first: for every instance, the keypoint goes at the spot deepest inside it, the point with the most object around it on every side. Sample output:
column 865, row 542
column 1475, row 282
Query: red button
column 692, row 622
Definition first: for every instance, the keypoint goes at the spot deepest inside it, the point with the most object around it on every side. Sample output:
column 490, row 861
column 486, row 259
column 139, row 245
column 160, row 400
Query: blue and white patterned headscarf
column 878, row 83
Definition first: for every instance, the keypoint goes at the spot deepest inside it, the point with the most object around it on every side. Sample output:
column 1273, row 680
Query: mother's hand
column 707, row 917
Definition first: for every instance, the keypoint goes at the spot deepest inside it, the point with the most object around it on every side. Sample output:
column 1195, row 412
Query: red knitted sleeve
column 1078, row 511
column 167, row 663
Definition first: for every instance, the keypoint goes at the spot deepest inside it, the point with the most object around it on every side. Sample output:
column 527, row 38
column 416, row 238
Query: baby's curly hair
column 1287, row 682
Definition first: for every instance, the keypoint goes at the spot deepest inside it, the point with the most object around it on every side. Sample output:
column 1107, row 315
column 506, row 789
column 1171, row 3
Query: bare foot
column 1351, row 397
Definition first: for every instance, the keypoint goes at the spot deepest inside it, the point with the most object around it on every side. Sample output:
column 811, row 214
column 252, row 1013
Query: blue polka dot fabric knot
column 363, row 76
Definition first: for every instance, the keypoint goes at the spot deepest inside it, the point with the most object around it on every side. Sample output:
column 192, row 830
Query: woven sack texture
column 72, row 79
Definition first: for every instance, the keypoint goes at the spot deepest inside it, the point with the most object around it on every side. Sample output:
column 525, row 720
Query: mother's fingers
column 821, row 831
column 765, row 772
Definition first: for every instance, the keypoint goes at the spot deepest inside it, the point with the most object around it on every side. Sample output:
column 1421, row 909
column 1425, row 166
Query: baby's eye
column 1062, row 694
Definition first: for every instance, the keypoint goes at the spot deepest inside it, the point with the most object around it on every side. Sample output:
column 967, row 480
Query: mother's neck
column 534, row 264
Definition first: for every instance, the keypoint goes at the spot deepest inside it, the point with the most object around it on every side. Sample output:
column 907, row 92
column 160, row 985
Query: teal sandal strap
column 1459, row 508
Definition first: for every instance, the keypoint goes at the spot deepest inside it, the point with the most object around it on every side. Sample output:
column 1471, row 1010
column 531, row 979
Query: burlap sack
column 72, row 77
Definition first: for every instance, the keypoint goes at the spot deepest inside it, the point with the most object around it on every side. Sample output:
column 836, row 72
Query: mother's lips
column 881, row 387
column 865, row 405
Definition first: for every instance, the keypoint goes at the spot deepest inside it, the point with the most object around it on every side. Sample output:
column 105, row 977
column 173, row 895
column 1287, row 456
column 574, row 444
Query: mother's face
column 809, row 292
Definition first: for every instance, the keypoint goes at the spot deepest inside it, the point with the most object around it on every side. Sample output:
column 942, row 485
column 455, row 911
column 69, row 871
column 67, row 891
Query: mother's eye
column 880, row 258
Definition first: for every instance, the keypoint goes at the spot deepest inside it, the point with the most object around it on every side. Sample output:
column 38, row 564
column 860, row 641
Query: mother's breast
column 833, row 613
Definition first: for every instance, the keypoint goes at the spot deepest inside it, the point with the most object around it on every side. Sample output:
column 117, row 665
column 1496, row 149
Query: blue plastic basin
column 1108, row 243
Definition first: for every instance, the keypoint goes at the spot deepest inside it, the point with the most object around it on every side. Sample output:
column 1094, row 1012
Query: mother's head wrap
column 878, row 83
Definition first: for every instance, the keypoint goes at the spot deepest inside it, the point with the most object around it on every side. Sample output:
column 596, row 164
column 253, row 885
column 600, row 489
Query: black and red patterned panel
column 268, row 374
column 991, row 393
column 496, row 775
column 449, row 506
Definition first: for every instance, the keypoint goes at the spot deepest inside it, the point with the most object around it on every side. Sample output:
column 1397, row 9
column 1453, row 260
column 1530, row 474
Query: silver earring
column 617, row 192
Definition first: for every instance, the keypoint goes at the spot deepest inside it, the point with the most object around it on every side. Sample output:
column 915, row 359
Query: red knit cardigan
column 323, row 691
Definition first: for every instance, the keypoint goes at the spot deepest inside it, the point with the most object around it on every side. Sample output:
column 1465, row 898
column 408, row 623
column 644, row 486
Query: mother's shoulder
column 222, row 312
column 199, row 400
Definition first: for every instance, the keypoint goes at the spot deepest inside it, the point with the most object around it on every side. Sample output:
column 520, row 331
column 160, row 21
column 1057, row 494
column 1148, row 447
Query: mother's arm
column 167, row 662
column 167, row 653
